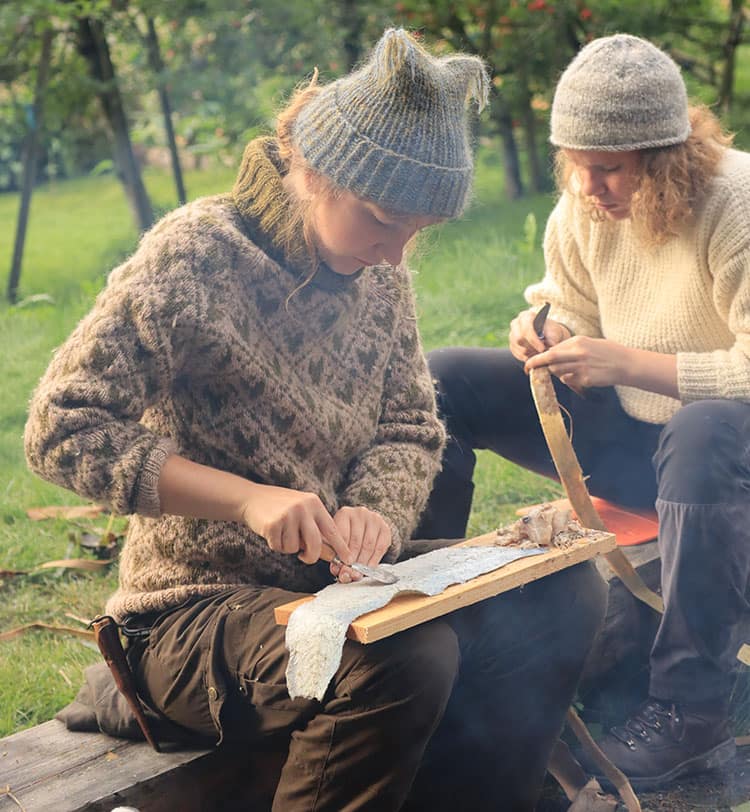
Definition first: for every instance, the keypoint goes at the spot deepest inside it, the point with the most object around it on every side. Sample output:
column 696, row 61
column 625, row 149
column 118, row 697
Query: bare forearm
column 292, row 522
column 187, row 488
column 652, row 371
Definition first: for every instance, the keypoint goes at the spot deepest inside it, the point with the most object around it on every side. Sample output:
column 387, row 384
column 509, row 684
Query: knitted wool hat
column 395, row 131
column 620, row 93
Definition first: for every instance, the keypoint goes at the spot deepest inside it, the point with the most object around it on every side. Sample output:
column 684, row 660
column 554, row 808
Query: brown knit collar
column 265, row 207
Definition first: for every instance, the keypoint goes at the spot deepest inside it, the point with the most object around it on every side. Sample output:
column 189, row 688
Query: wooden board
column 405, row 611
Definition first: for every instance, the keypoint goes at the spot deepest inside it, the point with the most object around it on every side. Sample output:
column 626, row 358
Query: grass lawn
column 469, row 282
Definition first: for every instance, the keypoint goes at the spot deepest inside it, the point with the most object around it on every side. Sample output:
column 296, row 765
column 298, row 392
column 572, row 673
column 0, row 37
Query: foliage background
column 228, row 63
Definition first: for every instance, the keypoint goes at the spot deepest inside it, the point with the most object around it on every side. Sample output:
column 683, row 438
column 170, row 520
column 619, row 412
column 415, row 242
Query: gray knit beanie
column 395, row 131
column 620, row 93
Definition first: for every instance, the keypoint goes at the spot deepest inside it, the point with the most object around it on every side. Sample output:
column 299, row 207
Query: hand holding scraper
column 378, row 574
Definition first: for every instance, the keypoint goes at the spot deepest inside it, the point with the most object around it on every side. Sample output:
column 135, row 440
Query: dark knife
column 378, row 574
column 539, row 322
column 540, row 319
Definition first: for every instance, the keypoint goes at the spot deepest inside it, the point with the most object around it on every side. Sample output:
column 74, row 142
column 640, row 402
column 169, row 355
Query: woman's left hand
column 582, row 362
column 367, row 535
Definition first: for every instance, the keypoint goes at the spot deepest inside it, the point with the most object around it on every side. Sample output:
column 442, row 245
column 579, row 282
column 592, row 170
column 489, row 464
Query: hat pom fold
column 394, row 49
column 473, row 71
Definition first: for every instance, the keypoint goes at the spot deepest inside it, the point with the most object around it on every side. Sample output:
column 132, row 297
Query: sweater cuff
column 702, row 375
column 147, row 501
column 394, row 551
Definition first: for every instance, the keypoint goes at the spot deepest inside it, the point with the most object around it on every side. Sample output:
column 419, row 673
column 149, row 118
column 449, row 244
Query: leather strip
column 571, row 477
column 616, row 777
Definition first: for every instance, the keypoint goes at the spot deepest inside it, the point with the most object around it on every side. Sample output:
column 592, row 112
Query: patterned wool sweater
column 194, row 347
column 689, row 297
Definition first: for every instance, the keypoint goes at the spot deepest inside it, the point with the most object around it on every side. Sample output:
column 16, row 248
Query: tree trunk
column 537, row 179
column 157, row 66
column 29, row 164
column 501, row 116
column 352, row 22
column 732, row 42
column 93, row 46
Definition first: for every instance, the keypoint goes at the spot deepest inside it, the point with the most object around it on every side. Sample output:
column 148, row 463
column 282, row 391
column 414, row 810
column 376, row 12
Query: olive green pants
column 458, row 713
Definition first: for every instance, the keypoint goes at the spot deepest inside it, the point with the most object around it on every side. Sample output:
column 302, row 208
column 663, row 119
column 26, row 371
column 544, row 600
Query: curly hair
column 671, row 180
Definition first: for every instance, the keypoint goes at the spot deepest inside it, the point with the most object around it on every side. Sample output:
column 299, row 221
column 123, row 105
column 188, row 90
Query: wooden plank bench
column 49, row 768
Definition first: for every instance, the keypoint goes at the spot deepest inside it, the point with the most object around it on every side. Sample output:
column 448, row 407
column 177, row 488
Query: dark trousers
column 471, row 704
column 695, row 470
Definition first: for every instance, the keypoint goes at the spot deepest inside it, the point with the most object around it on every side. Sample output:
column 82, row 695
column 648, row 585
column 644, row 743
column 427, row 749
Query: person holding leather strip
column 647, row 256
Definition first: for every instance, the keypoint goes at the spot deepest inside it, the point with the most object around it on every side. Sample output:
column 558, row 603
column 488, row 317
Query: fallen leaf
column 75, row 564
column 82, row 620
column 111, row 756
column 35, row 299
column 65, row 512
column 17, row 632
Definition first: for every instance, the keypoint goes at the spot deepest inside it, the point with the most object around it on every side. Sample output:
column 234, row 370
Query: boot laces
column 651, row 716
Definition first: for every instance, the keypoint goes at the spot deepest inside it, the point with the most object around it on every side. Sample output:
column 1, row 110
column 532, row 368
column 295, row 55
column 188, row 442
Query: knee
column 559, row 615
column 445, row 366
column 454, row 396
column 571, row 604
column 577, row 598
column 702, row 452
column 428, row 661
column 418, row 666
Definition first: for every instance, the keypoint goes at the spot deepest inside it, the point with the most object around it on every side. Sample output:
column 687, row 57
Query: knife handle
column 327, row 553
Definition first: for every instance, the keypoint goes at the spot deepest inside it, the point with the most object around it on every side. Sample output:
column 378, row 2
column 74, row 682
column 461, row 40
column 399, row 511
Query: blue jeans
column 695, row 470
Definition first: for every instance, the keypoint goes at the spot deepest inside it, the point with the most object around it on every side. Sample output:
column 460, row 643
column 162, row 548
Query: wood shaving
column 544, row 526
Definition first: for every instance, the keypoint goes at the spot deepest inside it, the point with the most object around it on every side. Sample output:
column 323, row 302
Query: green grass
column 469, row 284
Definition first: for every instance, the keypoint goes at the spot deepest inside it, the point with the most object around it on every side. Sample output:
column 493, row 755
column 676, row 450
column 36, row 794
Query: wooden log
column 405, row 611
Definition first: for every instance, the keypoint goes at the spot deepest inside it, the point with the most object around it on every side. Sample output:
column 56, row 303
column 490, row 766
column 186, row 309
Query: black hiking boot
column 663, row 741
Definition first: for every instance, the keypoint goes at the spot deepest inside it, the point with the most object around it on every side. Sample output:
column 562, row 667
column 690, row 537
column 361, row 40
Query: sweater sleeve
column 567, row 284
column 394, row 475
column 83, row 430
column 725, row 373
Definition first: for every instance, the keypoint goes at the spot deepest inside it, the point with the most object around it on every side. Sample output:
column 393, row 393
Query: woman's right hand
column 293, row 522
column 523, row 340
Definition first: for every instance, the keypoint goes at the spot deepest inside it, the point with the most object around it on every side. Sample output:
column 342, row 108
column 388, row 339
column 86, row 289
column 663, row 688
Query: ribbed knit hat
column 395, row 131
column 620, row 93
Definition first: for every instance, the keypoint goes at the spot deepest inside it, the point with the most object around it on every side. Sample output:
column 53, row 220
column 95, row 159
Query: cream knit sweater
column 195, row 347
column 689, row 297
